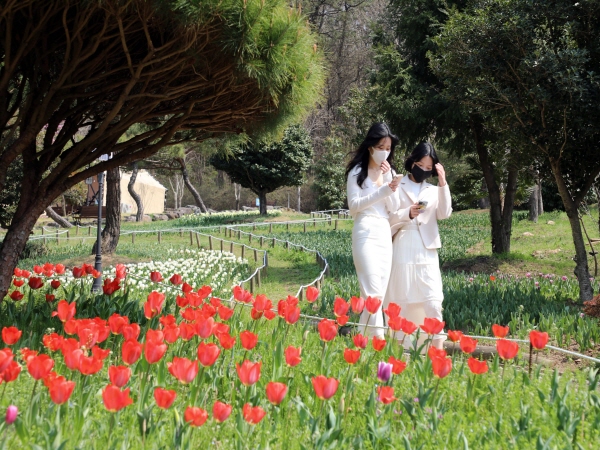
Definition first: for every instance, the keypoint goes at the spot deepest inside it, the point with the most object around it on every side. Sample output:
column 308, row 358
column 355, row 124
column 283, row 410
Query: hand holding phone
column 422, row 204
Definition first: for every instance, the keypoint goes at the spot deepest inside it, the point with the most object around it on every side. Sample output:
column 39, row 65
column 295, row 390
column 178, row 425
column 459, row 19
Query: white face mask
column 379, row 156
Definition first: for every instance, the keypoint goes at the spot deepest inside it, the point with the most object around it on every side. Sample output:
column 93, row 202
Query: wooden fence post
column 250, row 238
column 159, row 237
column 210, row 244
column 261, row 241
column 133, row 237
column 273, row 242
column 57, row 241
column 270, row 228
column 221, row 245
column 180, row 232
column 314, row 223
column 288, row 226
column 198, row 240
column 258, row 278
column 336, row 224
column 252, row 285
column 243, row 251
column 304, row 226
column 89, row 230
column 76, row 230
column 191, row 238
column 231, row 248
column 255, row 255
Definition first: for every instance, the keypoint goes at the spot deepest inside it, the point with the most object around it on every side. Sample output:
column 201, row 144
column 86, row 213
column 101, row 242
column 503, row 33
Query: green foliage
column 265, row 166
column 330, row 182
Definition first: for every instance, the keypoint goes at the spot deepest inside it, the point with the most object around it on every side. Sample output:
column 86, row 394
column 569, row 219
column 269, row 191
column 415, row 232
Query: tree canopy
column 263, row 166
column 75, row 76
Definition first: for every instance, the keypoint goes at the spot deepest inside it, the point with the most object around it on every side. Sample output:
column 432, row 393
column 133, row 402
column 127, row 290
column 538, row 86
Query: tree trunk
column 582, row 272
column 262, row 198
column 237, row 191
column 112, row 227
column 298, row 198
column 191, row 188
column 58, row 219
column 540, row 199
column 534, row 203
column 134, row 195
column 500, row 215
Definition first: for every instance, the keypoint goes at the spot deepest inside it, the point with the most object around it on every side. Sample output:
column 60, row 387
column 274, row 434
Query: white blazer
column 439, row 206
column 371, row 199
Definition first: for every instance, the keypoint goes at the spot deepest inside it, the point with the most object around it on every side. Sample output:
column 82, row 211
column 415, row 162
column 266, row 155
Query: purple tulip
column 11, row 414
column 384, row 371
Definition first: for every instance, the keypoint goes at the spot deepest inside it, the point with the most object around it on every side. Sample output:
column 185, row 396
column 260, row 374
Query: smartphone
column 398, row 176
column 422, row 204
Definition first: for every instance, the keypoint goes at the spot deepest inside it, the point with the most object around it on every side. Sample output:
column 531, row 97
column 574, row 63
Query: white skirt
column 372, row 255
column 415, row 276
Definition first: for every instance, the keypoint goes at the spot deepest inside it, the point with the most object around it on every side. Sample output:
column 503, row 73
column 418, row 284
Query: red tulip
column 176, row 279
column 208, row 354
column 385, row 394
column 205, row 327
column 35, row 282
column 476, row 366
column 71, row 353
column 55, row 284
column 64, row 310
column 53, row 341
column 50, row 298
column 492, row 278
column 499, row 331
column 120, row 271
column 38, row 269
column 16, row 296
column 153, row 306
column 11, row 335
column 225, row 313
column 253, row 415
column 100, row 353
column 292, row 356
column 40, row 366
column 171, row 333
column 454, row 336
column 372, row 304
column 221, row 411
column 18, row 283
column 26, row 354
column 342, row 320
column 408, row 327
column 537, row 339
column 351, row 356
column 119, row 375
column 131, row 351
column 194, row 416
column 358, row 304
column 311, row 294
column 183, row 369
column 110, row 287
column 78, row 272
column 276, row 392
column 327, row 330
column 340, row 307
column 467, row 344
column 154, row 350
column 115, row 399
column 60, row 390
column 242, row 295
column 226, row 340
column 156, row 277
column 378, row 344
column 131, row 331
column 18, row 272
column 88, row 365
column 395, row 323
column 164, row 398
column 248, row 372
column 432, row 326
column 441, row 366
column 393, row 310
column 324, row 387
column 436, row 353
column 360, row 341
column 6, row 358
column 248, row 339
column 398, row 365
column 11, row 373
column 185, row 288
column 507, row 349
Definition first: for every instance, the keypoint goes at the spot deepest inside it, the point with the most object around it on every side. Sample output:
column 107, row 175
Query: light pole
column 97, row 285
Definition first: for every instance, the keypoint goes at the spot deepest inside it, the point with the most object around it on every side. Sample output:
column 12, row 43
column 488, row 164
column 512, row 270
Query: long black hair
column 376, row 133
column 421, row 151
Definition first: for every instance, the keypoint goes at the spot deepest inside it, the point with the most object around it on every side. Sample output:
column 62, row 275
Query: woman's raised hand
column 441, row 174
column 385, row 166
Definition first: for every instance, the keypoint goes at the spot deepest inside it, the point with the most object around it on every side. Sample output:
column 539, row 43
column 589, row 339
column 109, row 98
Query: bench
column 87, row 212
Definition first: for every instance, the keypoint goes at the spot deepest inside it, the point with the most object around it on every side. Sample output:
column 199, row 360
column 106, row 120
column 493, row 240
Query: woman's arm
column 357, row 200
column 444, row 209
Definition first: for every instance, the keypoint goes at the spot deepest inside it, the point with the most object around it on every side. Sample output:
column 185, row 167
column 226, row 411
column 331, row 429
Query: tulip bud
column 305, row 337
column 11, row 414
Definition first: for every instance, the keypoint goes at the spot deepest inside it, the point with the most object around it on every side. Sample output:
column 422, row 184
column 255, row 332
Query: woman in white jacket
column 371, row 184
column 415, row 281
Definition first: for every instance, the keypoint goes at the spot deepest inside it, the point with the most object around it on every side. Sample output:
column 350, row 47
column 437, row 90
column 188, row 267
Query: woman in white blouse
column 415, row 281
column 370, row 187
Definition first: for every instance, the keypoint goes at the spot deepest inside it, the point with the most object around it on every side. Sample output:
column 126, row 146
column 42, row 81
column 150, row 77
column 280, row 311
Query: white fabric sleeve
column 444, row 209
column 358, row 202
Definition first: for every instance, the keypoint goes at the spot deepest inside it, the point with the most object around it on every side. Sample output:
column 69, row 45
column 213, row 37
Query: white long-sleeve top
column 371, row 200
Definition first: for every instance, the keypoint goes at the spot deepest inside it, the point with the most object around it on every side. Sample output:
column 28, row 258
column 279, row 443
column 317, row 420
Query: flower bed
column 194, row 370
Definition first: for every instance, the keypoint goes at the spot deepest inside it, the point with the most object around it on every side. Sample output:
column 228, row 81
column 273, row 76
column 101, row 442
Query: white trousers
column 372, row 255
column 416, row 313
